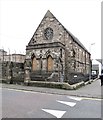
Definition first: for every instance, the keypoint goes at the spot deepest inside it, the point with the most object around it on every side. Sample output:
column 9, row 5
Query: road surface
column 29, row 104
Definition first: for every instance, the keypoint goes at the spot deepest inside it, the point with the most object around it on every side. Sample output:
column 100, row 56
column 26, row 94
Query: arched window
column 61, row 53
column 34, row 63
column 49, row 63
column 41, row 64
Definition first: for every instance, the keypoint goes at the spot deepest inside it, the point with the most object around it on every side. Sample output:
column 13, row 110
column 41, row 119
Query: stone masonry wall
column 75, row 58
column 12, row 72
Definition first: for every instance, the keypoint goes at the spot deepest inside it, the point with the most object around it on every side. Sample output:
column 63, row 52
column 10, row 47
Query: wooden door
column 49, row 63
column 34, row 64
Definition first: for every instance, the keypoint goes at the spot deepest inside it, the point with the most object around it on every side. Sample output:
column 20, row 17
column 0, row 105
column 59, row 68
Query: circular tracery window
column 48, row 33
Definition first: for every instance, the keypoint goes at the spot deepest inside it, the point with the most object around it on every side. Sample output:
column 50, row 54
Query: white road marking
column 27, row 91
column 75, row 98
column 14, row 89
column 56, row 113
column 83, row 98
column 71, row 97
column 22, row 91
column 71, row 104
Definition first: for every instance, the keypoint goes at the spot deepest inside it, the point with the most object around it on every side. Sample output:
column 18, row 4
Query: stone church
column 54, row 53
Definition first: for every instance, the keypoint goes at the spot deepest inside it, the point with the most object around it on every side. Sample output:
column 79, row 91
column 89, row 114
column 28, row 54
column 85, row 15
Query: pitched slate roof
column 100, row 60
column 77, row 41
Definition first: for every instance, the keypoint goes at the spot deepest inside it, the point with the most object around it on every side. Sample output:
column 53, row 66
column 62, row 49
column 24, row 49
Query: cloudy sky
column 20, row 18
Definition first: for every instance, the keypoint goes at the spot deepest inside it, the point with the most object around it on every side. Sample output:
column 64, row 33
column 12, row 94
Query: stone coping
column 59, row 85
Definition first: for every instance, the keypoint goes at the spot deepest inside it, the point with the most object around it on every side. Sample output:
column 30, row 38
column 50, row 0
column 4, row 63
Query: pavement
column 92, row 90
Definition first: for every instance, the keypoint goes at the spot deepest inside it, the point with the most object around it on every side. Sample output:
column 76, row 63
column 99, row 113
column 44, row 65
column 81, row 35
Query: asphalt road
column 27, row 104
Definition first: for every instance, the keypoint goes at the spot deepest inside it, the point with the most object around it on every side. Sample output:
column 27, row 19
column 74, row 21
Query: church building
column 54, row 53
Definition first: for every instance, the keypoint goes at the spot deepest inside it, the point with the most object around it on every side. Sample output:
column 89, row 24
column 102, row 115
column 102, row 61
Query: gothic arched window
column 34, row 63
column 49, row 63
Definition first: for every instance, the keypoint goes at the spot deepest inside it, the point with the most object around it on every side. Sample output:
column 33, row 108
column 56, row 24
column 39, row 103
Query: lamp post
column 91, row 59
column 90, row 49
column 101, row 66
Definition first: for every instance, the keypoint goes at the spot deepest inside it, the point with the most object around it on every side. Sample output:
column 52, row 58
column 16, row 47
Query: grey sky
column 20, row 18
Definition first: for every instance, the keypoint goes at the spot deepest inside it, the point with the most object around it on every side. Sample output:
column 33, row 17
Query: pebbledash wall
column 52, row 54
column 55, row 54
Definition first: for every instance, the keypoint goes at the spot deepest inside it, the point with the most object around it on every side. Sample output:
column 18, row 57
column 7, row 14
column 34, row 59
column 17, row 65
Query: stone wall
column 12, row 72
column 48, row 21
column 68, row 53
